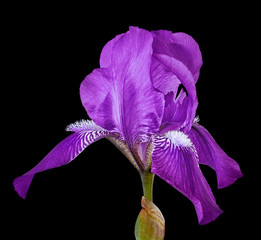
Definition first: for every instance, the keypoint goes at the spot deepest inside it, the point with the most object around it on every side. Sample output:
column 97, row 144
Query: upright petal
column 163, row 78
column 176, row 60
column 175, row 112
column 177, row 68
column 174, row 159
column 121, row 96
column 67, row 150
column 106, row 54
column 180, row 46
column 211, row 154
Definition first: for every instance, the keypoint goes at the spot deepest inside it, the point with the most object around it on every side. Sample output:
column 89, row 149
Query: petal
column 187, row 51
column 100, row 99
column 106, row 54
column 180, row 46
column 175, row 112
column 176, row 60
column 174, row 159
column 211, row 154
column 67, row 150
column 121, row 97
column 163, row 78
column 186, row 78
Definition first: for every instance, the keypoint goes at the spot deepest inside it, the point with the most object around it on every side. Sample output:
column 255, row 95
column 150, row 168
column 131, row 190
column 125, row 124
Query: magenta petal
column 174, row 159
column 66, row 151
column 211, row 154
column 121, row 97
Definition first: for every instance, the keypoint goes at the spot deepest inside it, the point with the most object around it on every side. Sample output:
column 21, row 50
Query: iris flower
column 143, row 99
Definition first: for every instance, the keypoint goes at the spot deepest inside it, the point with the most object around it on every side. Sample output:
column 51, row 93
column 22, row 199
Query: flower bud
column 150, row 224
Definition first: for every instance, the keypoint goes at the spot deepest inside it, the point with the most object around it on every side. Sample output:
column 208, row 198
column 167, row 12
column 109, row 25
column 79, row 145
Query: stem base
column 150, row 224
column 147, row 179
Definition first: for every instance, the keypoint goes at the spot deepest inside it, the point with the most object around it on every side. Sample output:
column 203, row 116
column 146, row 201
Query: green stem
column 147, row 179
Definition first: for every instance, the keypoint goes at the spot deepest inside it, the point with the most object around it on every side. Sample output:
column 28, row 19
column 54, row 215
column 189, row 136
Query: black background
column 49, row 50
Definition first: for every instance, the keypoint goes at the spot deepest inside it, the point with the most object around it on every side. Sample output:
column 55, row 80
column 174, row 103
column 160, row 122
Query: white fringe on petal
column 179, row 139
column 84, row 125
column 196, row 120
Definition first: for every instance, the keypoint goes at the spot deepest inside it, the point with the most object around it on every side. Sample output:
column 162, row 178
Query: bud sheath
column 150, row 224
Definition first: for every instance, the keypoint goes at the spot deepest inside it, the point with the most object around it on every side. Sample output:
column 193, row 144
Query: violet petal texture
column 186, row 78
column 86, row 132
column 107, row 52
column 174, row 159
column 175, row 111
column 121, row 97
column 209, row 153
column 180, row 46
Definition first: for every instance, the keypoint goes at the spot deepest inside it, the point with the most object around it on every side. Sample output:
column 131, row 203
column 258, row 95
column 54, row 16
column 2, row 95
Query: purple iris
column 136, row 101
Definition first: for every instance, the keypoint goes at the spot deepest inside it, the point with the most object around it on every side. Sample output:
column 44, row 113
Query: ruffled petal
column 176, row 60
column 180, row 46
column 163, row 78
column 67, row 150
column 174, row 159
column 211, row 154
column 185, row 77
column 121, row 96
column 175, row 112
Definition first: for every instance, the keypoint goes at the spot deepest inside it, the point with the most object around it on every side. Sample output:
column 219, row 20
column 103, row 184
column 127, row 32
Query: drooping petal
column 180, row 46
column 185, row 77
column 211, row 154
column 174, row 159
column 67, row 150
column 121, row 96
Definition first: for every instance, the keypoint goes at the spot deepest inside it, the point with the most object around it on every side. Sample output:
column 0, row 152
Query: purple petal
column 121, row 97
column 106, row 54
column 211, row 154
column 163, row 78
column 180, row 46
column 175, row 112
column 186, row 78
column 174, row 159
column 66, row 151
